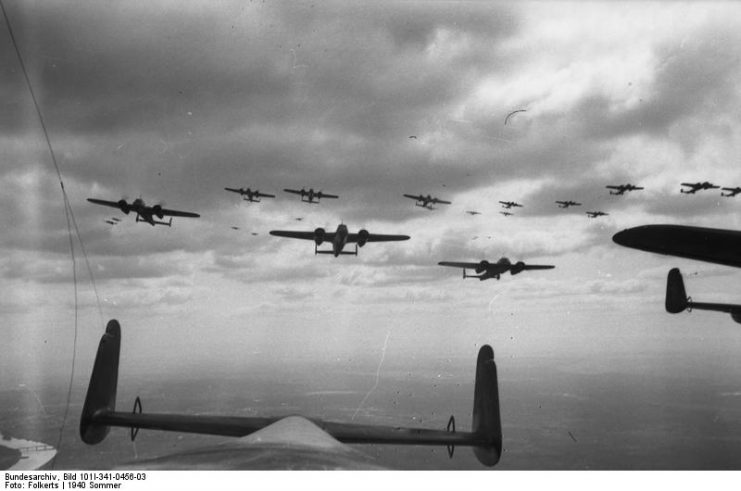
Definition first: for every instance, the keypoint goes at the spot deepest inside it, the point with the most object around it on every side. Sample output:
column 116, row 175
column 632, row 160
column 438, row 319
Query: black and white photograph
column 401, row 235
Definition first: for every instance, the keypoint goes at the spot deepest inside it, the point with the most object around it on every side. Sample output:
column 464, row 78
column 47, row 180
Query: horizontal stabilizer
column 677, row 299
column 99, row 413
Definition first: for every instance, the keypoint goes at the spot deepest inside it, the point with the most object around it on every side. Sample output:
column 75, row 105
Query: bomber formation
column 341, row 237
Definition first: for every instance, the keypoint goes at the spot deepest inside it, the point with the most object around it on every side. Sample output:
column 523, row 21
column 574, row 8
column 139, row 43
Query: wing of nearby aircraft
column 458, row 264
column 703, row 244
column 677, row 299
column 366, row 237
column 317, row 439
column 328, row 236
column 112, row 204
column 176, row 213
column 438, row 201
column 295, row 191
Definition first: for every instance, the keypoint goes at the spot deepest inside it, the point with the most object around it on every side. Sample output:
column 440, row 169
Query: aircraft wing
column 418, row 198
column 324, row 195
column 265, row 195
column 112, row 204
column 538, row 266
column 458, row 265
column 690, row 184
column 294, row 191
column 233, row 190
column 703, row 244
column 376, row 238
column 328, row 236
column 613, row 187
column 176, row 213
column 441, row 201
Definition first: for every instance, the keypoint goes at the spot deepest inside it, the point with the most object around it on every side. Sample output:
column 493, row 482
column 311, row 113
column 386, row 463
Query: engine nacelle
column 736, row 315
column 483, row 265
column 518, row 267
column 125, row 207
column 319, row 234
column 362, row 237
column 157, row 210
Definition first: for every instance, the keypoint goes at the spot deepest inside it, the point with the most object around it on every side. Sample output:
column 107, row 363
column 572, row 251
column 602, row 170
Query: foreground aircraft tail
column 486, row 418
column 677, row 299
column 101, row 393
column 99, row 413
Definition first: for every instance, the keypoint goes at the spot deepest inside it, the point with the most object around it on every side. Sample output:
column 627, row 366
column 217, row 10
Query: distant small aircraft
column 310, row 196
column 338, row 239
column 413, row 137
column 697, row 186
column 427, row 201
column 510, row 204
column 143, row 212
column 506, row 213
column 235, row 228
column 111, row 222
column 472, row 213
column 274, row 442
column 731, row 192
column 487, row 270
column 622, row 188
column 250, row 195
column 298, row 219
column 595, row 214
column 566, row 204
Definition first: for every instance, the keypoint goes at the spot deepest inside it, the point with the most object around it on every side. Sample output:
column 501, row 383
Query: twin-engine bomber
column 143, row 212
column 487, row 270
column 339, row 238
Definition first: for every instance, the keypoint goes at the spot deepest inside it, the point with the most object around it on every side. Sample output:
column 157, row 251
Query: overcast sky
column 173, row 101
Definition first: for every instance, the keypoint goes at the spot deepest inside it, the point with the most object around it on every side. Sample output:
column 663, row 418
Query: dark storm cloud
column 189, row 80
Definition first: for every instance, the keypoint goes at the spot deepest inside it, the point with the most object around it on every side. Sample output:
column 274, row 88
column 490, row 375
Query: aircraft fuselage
column 340, row 239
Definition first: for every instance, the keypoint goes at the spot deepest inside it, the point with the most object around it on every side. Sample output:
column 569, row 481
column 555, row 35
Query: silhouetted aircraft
column 731, row 192
column 677, row 299
column 703, row 244
column 310, row 195
column 111, row 222
column 487, row 270
column 427, row 201
column 698, row 186
column 250, row 195
column 272, row 442
column 595, row 214
column 510, row 204
column 338, row 238
column 473, row 213
column 622, row 188
column 566, row 204
column 143, row 212
column 506, row 213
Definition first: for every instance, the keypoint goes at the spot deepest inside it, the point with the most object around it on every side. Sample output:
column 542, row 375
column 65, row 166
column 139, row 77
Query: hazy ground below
column 627, row 413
